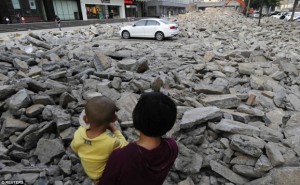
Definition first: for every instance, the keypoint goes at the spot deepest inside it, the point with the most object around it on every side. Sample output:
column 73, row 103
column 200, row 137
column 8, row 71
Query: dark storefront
column 135, row 8
column 39, row 10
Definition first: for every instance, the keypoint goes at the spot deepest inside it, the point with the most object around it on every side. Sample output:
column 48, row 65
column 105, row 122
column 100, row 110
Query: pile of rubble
column 236, row 87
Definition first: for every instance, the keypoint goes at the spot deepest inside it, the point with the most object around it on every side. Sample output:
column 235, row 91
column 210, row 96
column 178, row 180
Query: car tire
column 125, row 34
column 159, row 36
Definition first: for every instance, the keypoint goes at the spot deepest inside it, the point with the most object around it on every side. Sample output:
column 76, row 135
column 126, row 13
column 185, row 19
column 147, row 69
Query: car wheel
column 125, row 34
column 159, row 36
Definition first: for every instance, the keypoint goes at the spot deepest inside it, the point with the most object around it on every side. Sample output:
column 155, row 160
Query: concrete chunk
column 221, row 101
column 199, row 115
column 227, row 173
column 237, row 128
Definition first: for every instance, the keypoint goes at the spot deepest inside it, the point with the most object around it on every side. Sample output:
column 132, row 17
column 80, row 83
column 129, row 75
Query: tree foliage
column 255, row 4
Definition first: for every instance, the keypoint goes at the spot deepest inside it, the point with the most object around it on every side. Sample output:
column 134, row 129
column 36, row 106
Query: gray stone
column 11, row 126
column 108, row 92
column 34, row 110
column 288, row 68
column 187, row 181
column 139, row 85
column 30, row 178
column 244, row 160
column 60, row 116
column 211, row 89
column 256, row 82
column 221, row 101
column 237, row 128
column 241, row 117
column 30, row 129
column 263, row 164
column 3, row 77
column 42, row 99
column 47, row 149
column 229, row 69
column 18, row 155
column 294, row 100
column 20, row 100
column 278, row 75
column 65, row 98
column 3, row 149
column 227, row 173
column 6, row 91
column 65, row 166
column 58, row 183
column 20, row 65
column 275, row 117
column 250, row 110
column 267, row 180
column 291, row 131
column 209, row 55
column 67, row 134
column 200, row 115
column 248, row 145
column 57, row 75
column 267, row 133
column 101, row 62
column 187, row 160
column 274, row 154
column 128, row 64
column 247, row 171
column 54, row 57
column 116, row 83
column 127, row 103
column 286, row 176
column 34, row 71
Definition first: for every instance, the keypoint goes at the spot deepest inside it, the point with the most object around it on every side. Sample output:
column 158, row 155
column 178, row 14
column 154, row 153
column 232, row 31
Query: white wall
column 98, row 2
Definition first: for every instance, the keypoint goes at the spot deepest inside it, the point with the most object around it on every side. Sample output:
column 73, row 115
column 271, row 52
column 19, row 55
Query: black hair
column 155, row 114
column 100, row 110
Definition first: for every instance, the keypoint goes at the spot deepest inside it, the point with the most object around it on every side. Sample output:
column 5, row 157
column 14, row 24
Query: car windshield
column 164, row 21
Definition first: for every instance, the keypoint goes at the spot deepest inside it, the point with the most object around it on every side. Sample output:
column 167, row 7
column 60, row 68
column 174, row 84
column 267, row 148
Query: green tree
column 255, row 4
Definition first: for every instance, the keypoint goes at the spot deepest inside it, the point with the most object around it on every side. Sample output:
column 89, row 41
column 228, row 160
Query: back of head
column 154, row 114
column 100, row 110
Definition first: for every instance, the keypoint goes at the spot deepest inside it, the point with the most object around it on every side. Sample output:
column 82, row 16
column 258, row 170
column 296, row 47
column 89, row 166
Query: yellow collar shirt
column 95, row 152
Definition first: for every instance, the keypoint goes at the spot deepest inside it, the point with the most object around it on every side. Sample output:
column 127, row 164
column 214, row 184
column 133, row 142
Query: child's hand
column 112, row 127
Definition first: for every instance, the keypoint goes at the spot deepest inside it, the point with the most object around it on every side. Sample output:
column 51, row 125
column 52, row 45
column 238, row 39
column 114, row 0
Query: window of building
column 66, row 9
column 16, row 4
column 32, row 4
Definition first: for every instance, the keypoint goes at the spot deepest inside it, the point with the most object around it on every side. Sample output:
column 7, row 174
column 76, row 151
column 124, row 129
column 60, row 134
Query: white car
column 288, row 16
column 280, row 15
column 150, row 28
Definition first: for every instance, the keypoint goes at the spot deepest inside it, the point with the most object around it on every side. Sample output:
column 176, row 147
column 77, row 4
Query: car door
column 138, row 29
column 152, row 26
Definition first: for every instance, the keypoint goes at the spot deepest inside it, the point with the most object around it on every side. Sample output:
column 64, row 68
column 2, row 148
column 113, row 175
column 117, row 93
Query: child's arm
column 120, row 141
column 74, row 143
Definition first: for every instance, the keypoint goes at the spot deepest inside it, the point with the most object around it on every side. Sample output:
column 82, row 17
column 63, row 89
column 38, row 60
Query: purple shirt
column 136, row 165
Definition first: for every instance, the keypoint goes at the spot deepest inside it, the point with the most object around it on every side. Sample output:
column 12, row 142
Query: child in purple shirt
column 148, row 160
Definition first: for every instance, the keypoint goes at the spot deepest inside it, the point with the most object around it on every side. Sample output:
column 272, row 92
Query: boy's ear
column 85, row 119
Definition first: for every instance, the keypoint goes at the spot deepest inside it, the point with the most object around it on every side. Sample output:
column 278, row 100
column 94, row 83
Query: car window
column 140, row 23
column 164, row 21
column 152, row 23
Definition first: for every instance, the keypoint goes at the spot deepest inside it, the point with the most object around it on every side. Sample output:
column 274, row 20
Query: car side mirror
column 133, row 25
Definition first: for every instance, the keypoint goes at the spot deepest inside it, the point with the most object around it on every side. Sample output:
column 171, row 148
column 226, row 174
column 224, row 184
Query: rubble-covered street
column 236, row 86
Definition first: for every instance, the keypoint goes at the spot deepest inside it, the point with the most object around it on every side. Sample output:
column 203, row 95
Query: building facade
column 102, row 9
column 39, row 10
column 166, row 7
